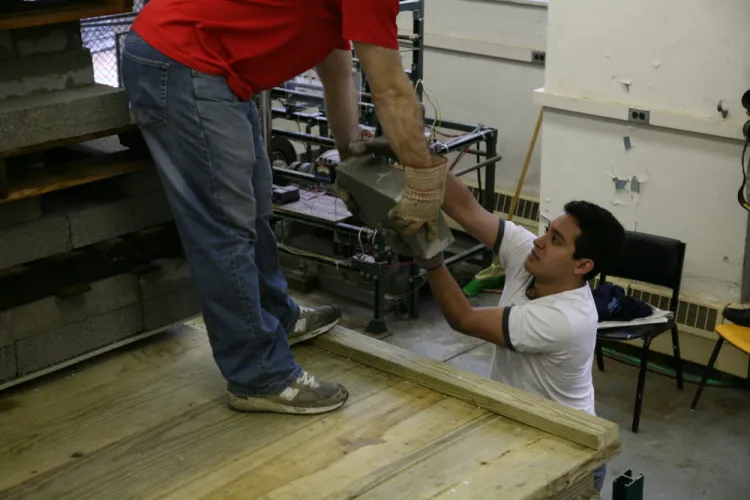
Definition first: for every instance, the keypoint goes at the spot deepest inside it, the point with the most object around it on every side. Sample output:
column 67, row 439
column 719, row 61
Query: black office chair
column 656, row 260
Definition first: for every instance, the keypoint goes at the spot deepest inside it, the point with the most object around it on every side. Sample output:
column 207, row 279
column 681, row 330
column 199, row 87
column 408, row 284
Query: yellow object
column 738, row 336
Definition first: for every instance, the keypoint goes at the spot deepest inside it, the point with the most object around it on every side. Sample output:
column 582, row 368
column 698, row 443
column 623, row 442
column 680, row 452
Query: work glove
column 399, row 246
column 422, row 198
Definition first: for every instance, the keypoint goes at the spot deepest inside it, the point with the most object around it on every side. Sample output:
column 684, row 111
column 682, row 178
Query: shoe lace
column 305, row 380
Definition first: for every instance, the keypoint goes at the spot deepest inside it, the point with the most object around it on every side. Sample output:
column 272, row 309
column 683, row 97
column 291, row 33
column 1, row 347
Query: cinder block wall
column 48, row 93
column 47, row 88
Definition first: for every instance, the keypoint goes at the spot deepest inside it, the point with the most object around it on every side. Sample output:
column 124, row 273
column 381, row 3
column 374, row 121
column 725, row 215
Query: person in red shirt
column 190, row 69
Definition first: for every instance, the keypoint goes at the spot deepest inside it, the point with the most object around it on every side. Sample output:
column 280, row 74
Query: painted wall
column 676, row 59
column 477, row 64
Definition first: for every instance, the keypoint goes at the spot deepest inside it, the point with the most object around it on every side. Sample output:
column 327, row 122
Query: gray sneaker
column 314, row 321
column 306, row 396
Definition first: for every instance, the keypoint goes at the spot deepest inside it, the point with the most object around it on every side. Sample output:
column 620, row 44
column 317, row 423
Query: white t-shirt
column 550, row 340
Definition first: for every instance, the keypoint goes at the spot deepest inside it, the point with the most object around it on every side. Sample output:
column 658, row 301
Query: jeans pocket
column 212, row 88
column 145, row 82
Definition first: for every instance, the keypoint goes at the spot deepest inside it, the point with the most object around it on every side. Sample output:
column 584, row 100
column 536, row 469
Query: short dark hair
column 601, row 237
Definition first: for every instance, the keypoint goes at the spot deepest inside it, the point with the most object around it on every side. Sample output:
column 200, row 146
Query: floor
column 683, row 455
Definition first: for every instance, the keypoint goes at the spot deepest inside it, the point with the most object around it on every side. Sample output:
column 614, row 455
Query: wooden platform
column 151, row 422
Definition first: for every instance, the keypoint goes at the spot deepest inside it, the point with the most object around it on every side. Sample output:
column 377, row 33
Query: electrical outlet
column 639, row 115
column 538, row 56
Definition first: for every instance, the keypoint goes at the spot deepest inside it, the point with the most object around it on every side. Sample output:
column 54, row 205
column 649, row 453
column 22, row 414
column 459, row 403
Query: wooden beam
column 546, row 415
column 33, row 15
column 30, row 182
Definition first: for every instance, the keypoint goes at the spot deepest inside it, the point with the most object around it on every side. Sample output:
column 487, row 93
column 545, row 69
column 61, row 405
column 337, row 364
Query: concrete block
column 46, row 73
column 101, row 217
column 171, row 275
column 20, row 212
column 61, row 344
column 35, row 240
column 174, row 307
column 7, row 50
column 51, row 116
column 8, row 367
column 376, row 187
column 54, row 312
column 47, row 39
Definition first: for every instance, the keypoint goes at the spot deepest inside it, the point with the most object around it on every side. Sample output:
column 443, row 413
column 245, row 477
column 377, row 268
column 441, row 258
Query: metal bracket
column 626, row 487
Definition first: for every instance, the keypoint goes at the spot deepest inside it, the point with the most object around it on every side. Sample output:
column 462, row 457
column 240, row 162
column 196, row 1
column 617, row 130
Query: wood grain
column 576, row 426
column 30, row 182
column 63, row 13
column 151, row 422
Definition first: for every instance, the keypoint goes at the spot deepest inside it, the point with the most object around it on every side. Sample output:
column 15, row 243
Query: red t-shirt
column 259, row 44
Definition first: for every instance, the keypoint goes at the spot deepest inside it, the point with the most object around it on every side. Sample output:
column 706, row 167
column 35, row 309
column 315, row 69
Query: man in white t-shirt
column 544, row 328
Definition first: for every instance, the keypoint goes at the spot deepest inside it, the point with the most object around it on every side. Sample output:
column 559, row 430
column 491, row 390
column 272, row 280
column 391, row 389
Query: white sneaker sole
column 259, row 405
column 314, row 333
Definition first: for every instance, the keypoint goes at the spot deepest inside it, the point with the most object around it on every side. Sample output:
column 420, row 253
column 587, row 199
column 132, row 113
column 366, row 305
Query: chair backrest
column 651, row 259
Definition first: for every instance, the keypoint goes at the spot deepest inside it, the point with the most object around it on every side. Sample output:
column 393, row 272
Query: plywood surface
column 151, row 422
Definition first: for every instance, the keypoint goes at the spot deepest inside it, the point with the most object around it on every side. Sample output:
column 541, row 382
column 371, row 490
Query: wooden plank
column 33, row 15
column 150, row 431
column 30, row 182
column 494, row 460
column 573, row 425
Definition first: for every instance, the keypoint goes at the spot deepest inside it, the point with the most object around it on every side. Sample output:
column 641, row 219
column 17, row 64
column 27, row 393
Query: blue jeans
column 208, row 149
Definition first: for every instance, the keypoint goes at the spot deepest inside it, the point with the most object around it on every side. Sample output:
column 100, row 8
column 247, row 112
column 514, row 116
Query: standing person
column 190, row 69
column 544, row 327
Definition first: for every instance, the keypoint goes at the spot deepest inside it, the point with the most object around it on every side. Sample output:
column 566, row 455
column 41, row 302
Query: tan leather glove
column 422, row 198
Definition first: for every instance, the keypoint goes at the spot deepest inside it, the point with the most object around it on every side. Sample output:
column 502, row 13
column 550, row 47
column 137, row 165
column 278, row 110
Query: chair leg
column 599, row 356
column 710, row 367
column 641, row 383
column 677, row 358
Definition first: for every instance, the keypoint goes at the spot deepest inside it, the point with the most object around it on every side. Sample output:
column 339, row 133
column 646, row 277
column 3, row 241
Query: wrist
column 432, row 263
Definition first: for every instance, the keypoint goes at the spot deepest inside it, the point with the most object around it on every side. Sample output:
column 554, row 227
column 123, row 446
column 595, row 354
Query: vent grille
column 526, row 208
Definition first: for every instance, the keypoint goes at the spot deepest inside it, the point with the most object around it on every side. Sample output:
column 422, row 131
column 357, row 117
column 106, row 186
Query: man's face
column 551, row 258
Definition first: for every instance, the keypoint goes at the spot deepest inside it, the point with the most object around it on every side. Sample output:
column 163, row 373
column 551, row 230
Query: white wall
column 477, row 64
column 676, row 58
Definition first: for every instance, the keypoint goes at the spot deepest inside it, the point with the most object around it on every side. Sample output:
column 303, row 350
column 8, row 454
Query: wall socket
column 639, row 115
column 538, row 57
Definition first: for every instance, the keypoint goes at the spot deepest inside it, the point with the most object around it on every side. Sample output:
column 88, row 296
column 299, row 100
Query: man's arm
column 396, row 103
column 486, row 323
column 342, row 107
column 460, row 205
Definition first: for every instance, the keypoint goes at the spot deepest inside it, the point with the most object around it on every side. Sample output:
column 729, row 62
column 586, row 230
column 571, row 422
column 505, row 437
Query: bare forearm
column 396, row 104
column 484, row 323
column 460, row 205
column 458, row 199
column 449, row 296
column 342, row 107
column 342, row 111
column 400, row 116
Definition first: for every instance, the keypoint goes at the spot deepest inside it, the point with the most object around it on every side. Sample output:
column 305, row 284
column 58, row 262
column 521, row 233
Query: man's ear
column 584, row 266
